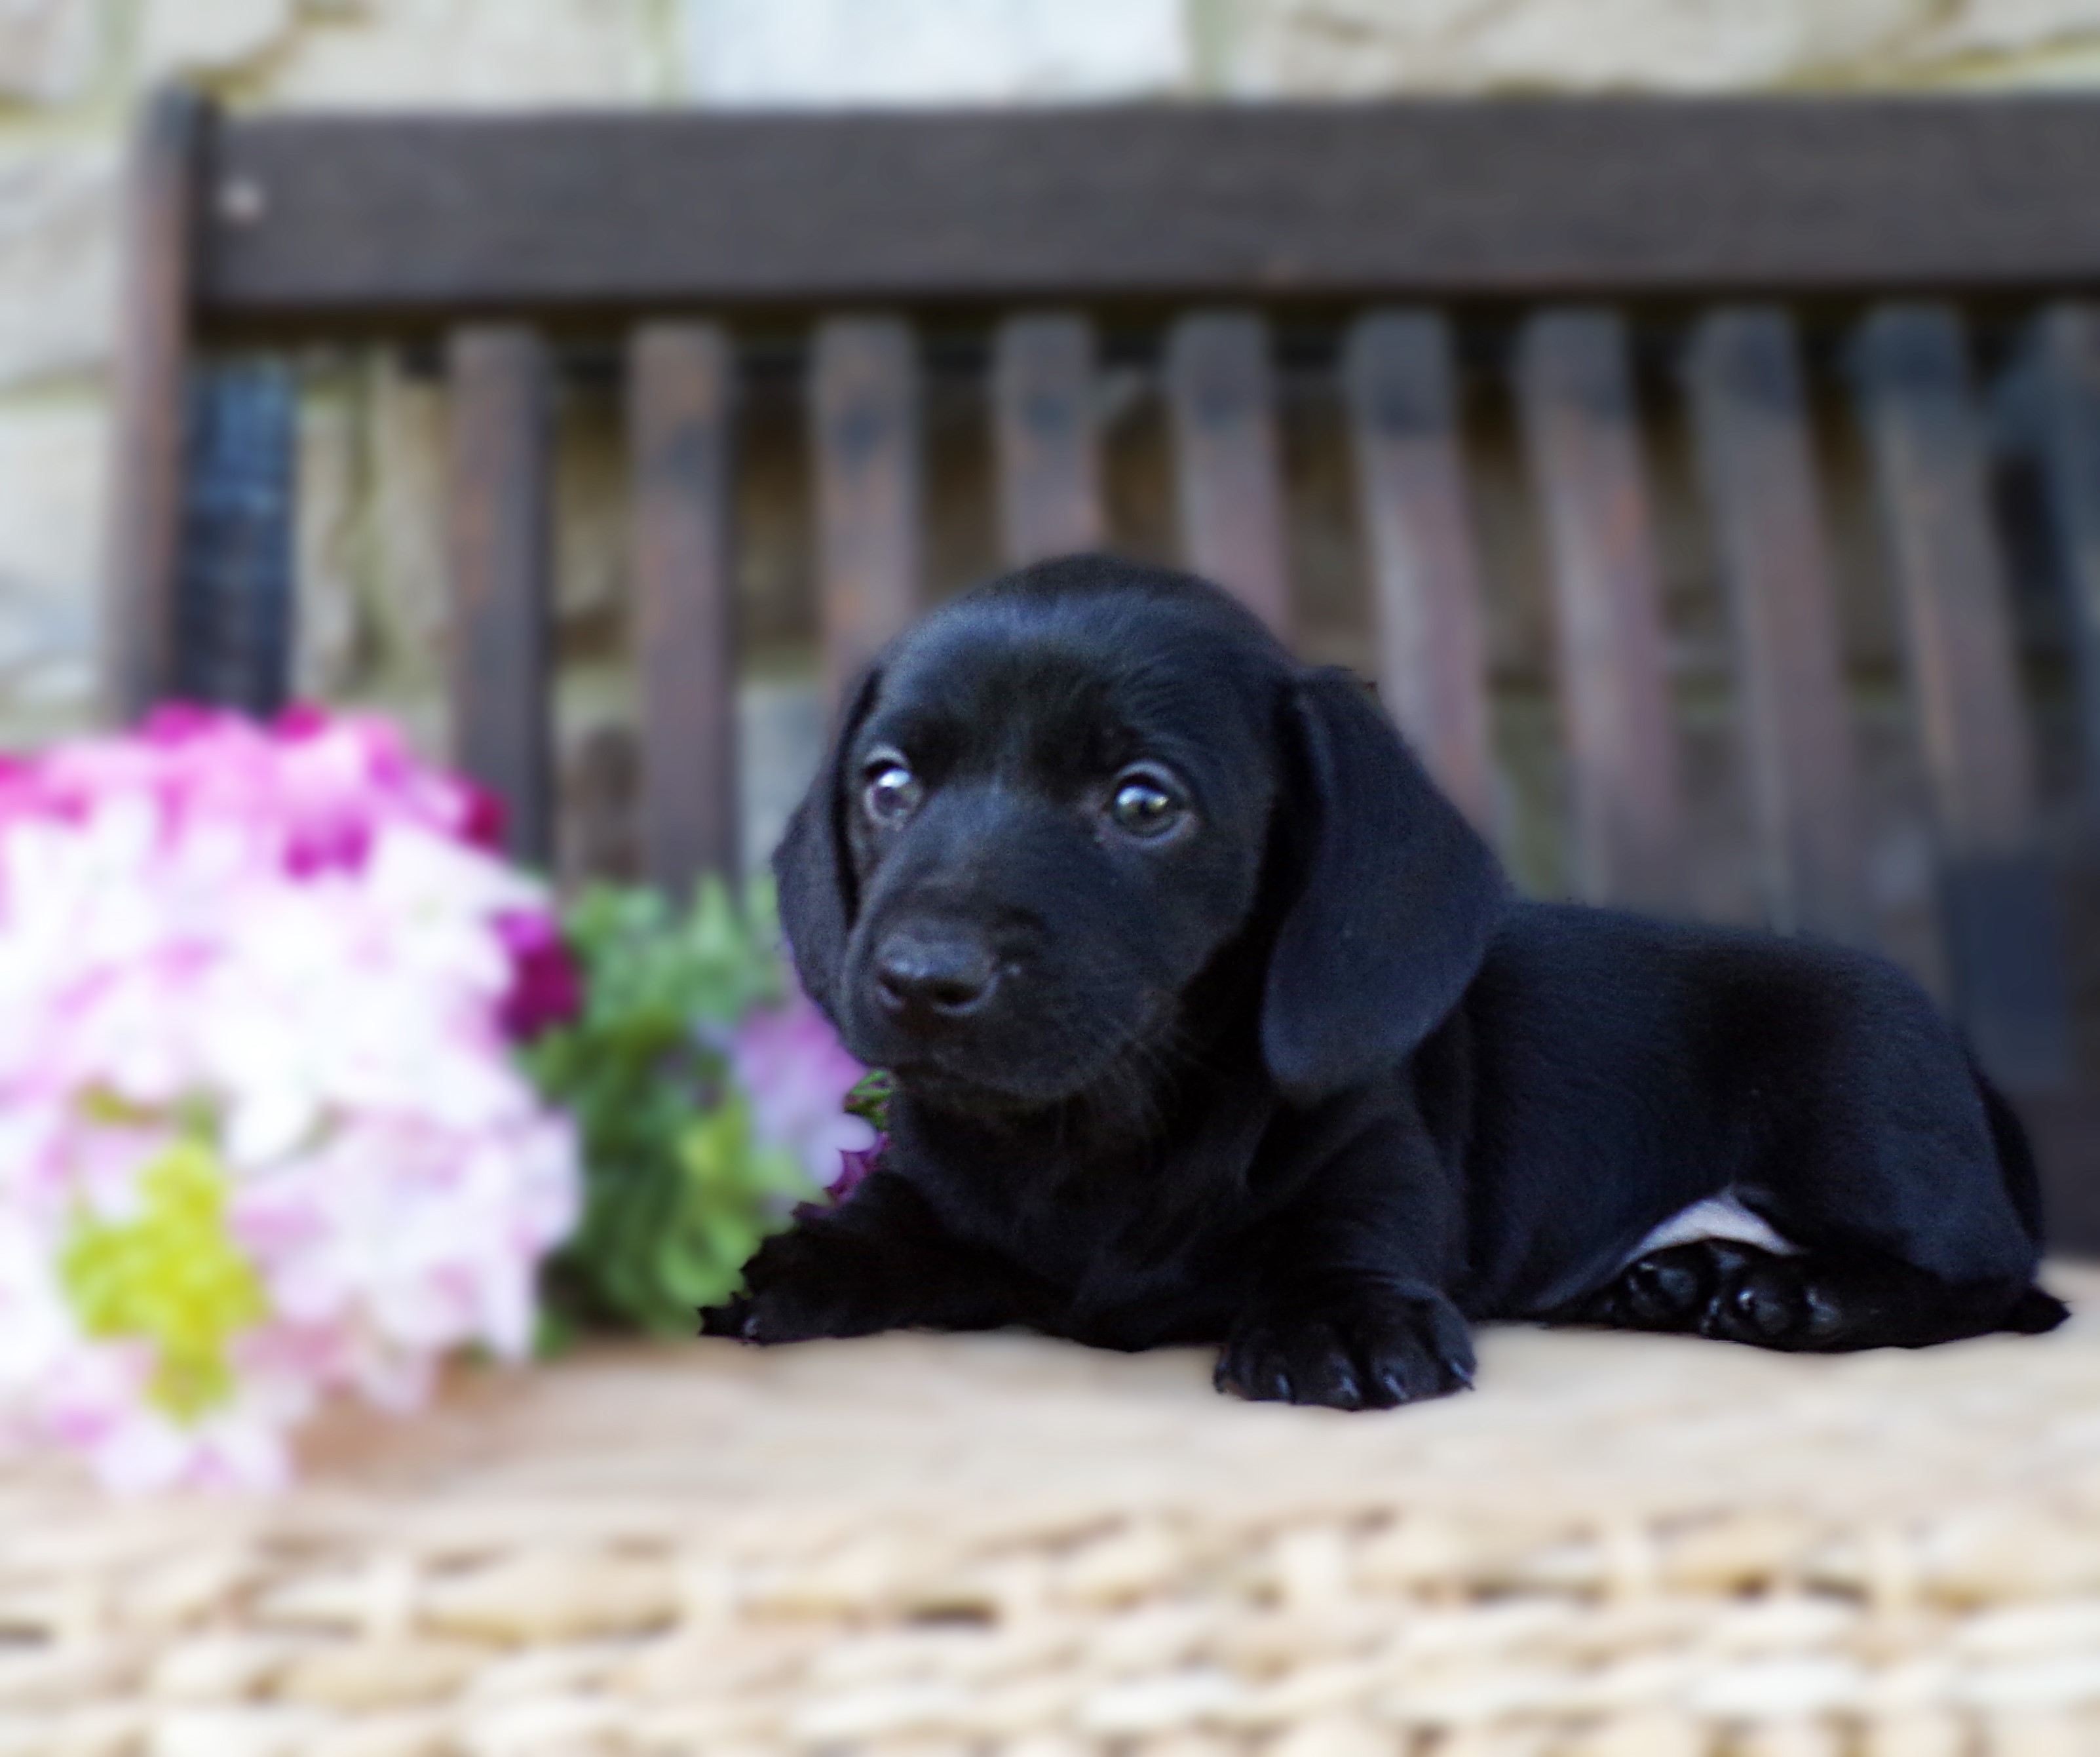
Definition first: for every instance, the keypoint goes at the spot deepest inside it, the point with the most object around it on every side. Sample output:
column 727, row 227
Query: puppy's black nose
column 933, row 976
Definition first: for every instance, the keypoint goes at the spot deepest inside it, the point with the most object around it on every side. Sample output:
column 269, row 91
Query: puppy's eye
column 892, row 792
column 1142, row 806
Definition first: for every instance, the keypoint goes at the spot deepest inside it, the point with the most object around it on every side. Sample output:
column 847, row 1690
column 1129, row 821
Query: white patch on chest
column 1721, row 1216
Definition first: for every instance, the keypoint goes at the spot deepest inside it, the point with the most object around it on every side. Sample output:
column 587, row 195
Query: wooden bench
column 1570, row 230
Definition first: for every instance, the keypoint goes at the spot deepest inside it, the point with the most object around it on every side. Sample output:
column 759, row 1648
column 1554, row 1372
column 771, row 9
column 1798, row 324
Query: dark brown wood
column 498, row 498
column 2068, row 359
column 1996, row 908
column 1228, row 477
column 1750, row 415
column 148, row 478
column 1043, row 422
column 1418, row 533
column 865, row 406
column 682, row 396
column 1581, row 432
column 1590, row 198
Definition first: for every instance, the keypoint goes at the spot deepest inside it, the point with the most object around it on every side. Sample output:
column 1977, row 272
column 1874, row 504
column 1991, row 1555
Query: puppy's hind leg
column 1665, row 1290
column 1818, row 1302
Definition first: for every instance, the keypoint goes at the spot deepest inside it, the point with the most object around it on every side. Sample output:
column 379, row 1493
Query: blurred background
column 369, row 531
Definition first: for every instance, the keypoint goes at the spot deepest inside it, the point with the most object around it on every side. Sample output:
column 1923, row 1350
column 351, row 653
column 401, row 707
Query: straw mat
column 930, row 1546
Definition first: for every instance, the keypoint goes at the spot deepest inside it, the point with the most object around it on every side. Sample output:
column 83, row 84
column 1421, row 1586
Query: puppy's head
column 1058, row 803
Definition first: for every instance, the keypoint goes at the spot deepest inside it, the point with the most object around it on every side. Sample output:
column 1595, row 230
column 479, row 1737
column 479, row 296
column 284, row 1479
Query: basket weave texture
column 1619, row 1547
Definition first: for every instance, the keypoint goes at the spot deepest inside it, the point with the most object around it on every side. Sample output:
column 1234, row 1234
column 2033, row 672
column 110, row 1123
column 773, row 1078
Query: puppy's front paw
column 802, row 1284
column 727, row 1319
column 1372, row 1350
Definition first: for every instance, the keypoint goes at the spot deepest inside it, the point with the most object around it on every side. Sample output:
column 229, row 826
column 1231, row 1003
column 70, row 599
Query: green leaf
column 679, row 1190
column 870, row 1098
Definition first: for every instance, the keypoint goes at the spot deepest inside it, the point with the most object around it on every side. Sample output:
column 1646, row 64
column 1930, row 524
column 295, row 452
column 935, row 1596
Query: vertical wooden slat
column 1580, row 427
column 865, row 400
column 1230, row 485
column 147, row 478
column 1049, row 469
column 234, row 625
column 2068, row 357
column 499, row 517
column 681, row 394
column 1996, row 908
column 1750, row 413
column 1425, row 567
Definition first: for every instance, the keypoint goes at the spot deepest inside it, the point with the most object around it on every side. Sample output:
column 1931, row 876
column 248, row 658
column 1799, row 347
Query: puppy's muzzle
column 927, row 979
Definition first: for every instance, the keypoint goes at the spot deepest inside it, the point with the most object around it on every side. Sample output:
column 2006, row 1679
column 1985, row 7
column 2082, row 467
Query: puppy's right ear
column 812, row 867
column 1398, row 901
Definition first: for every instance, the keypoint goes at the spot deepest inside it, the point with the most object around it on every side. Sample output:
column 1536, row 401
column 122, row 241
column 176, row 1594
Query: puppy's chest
column 1129, row 1256
column 1723, row 1218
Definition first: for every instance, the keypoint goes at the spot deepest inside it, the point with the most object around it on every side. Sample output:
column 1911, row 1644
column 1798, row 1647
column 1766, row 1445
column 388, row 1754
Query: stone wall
column 70, row 70
column 1357, row 47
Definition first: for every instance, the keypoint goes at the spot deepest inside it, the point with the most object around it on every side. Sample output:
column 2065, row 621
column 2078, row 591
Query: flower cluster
column 262, row 1135
column 710, row 1095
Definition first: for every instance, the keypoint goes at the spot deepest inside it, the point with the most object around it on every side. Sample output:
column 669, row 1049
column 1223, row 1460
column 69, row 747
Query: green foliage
column 679, row 1191
column 870, row 1099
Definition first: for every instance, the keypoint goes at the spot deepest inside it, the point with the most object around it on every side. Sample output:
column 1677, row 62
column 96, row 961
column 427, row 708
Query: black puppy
column 1213, row 1021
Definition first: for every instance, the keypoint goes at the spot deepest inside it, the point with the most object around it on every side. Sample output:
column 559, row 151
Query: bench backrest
column 497, row 237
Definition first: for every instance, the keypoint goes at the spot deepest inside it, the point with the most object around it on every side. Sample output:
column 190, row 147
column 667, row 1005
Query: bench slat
column 866, row 410
column 233, row 631
column 1575, row 388
column 498, row 494
column 682, row 397
column 1918, row 404
column 1221, row 394
column 410, row 218
column 1425, row 566
column 144, row 538
column 1756, row 459
column 1049, row 459
column 2067, row 353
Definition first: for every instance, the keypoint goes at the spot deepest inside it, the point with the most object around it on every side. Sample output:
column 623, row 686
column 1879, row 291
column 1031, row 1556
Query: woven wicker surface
column 1619, row 1547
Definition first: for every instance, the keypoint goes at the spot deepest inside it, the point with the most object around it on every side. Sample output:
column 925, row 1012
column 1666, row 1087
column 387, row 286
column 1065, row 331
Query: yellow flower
column 173, row 1277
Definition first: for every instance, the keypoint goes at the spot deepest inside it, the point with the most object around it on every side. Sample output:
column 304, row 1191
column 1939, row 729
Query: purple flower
column 798, row 1074
column 856, row 1167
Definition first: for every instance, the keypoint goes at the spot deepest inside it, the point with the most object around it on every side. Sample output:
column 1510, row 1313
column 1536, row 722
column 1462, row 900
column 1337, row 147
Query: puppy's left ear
column 814, row 869
column 1397, row 899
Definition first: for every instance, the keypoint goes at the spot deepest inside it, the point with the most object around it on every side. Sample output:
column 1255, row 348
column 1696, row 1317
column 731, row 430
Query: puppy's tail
column 2034, row 1312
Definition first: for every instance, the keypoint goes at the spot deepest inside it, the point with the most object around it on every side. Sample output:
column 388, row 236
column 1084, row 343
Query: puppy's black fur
column 1213, row 1021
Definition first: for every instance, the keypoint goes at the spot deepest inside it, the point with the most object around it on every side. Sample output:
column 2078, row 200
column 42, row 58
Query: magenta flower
column 546, row 988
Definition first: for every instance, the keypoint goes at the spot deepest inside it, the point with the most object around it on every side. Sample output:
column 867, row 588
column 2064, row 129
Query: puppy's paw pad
column 1773, row 1302
column 1375, row 1355
column 732, row 1318
column 801, row 1284
column 1284, row 1364
column 1765, row 1305
column 761, row 1319
column 1668, row 1289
